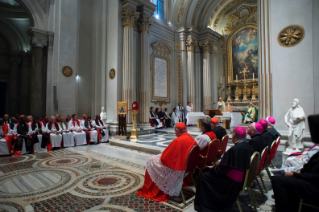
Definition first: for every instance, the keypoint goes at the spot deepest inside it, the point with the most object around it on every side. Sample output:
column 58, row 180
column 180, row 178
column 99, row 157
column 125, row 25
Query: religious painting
column 122, row 108
column 245, row 54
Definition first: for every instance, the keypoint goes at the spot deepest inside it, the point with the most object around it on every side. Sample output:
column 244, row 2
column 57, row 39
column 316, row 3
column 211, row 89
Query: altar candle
column 236, row 77
column 253, row 76
column 228, row 78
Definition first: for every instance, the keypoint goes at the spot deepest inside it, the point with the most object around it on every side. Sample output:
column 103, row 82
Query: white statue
column 295, row 120
column 103, row 116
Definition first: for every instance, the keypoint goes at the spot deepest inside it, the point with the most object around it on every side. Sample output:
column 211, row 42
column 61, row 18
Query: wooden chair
column 190, row 166
column 302, row 203
column 250, row 176
column 211, row 155
column 277, row 145
column 263, row 159
column 223, row 146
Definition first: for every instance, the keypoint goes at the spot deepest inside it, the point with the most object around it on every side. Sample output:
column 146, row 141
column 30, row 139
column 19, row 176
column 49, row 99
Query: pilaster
column 191, row 43
column 207, row 96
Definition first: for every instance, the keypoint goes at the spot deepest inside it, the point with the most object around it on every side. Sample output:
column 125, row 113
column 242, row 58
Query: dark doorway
column 3, row 90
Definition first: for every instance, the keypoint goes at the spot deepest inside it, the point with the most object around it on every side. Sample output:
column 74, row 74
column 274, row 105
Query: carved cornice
column 39, row 42
column 40, row 38
column 191, row 43
column 161, row 48
column 206, row 44
column 129, row 16
column 144, row 23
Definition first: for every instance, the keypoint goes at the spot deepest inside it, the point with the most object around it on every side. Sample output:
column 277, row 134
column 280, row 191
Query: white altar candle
column 253, row 76
column 236, row 77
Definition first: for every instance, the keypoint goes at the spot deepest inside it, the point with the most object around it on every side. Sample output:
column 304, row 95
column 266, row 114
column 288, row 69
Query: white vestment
column 188, row 110
column 202, row 141
column 4, row 149
column 105, row 138
column 295, row 119
column 68, row 139
column 180, row 113
column 55, row 139
column 94, row 134
column 174, row 118
column 37, row 146
column 292, row 164
column 79, row 137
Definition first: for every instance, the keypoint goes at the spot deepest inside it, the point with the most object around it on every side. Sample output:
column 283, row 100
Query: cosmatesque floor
column 88, row 178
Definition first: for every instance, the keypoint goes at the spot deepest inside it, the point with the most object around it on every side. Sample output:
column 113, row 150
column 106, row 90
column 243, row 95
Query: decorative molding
column 160, row 50
column 112, row 74
column 206, row 44
column 39, row 42
column 195, row 11
column 206, row 11
column 67, row 71
column 179, row 46
column 291, row 36
column 214, row 49
column 179, row 78
column 129, row 16
column 191, row 43
column 144, row 23
column 181, row 11
column 160, row 103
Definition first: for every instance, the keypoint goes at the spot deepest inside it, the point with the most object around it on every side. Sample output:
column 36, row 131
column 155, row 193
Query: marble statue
column 103, row 116
column 295, row 120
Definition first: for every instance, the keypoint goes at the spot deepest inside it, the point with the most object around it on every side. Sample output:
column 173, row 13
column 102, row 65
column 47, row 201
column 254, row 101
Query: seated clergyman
column 75, row 127
column 68, row 139
column 269, row 138
column 91, row 133
column 219, row 131
column 251, row 114
column 257, row 141
column 153, row 118
column 218, row 187
column 271, row 127
column 102, row 130
column 54, row 131
column 164, row 172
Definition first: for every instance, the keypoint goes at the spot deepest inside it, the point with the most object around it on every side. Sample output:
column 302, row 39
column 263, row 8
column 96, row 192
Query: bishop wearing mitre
column 165, row 172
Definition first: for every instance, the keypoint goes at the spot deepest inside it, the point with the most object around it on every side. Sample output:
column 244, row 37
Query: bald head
column 251, row 130
column 6, row 117
column 84, row 116
column 52, row 119
column 29, row 118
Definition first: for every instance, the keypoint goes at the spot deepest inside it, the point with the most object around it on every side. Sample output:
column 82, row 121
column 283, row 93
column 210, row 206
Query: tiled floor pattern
column 86, row 179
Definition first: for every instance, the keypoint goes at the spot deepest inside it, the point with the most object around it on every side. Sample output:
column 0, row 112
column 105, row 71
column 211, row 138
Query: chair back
column 192, row 159
column 251, row 173
column 212, row 152
column 264, row 155
column 223, row 146
column 277, row 143
column 272, row 153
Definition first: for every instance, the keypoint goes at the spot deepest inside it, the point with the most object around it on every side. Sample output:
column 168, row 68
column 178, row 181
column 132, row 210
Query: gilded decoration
column 144, row 23
column 291, row 35
column 129, row 16
column 206, row 44
column 67, row 71
column 179, row 77
column 191, row 43
column 195, row 11
column 161, row 51
column 112, row 74
column 179, row 46
column 181, row 11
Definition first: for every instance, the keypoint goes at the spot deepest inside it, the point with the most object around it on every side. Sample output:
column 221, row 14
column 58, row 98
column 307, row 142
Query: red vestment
column 8, row 139
column 174, row 157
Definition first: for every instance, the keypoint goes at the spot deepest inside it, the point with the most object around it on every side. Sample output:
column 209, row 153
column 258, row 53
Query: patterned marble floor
column 87, row 178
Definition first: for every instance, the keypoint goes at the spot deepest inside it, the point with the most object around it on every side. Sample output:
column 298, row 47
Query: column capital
column 129, row 16
column 144, row 23
column 206, row 44
column 191, row 43
column 39, row 38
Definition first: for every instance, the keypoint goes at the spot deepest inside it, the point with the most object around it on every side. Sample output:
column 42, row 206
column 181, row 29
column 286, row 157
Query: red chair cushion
column 262, row 160
column 213, row 152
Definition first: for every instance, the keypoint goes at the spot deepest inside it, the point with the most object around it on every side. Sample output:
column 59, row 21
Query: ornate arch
column 16, row 41
column 36, row 11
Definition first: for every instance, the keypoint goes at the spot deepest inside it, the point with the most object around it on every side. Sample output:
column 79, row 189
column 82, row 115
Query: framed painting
column 243, row 53
column 122, row 108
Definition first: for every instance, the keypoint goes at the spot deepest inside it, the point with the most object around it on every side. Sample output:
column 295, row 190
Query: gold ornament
column 291, row 35
column 112, row 73
column 67, row 71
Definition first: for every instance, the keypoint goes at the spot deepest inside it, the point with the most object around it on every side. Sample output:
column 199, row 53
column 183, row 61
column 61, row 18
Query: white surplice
column 68, row 139
column 156, row 118
column 202, row 141
column 79, row 136
column 37, row 146
column 94, row 133
column 55, row 139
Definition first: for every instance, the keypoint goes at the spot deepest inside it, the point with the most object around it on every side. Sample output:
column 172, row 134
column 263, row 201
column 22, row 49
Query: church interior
column 151, row 105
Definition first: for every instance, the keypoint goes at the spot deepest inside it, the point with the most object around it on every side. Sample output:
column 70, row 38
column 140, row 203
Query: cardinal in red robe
column 165, row 172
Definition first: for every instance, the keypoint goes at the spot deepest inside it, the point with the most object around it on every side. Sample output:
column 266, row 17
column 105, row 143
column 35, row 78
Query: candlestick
column 236, row 78
column 228, row 79
column 253, row 76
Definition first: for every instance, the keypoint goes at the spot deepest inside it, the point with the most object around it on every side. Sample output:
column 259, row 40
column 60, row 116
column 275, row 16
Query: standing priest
column 180, row 112
column 164, row 172
column 218, row 187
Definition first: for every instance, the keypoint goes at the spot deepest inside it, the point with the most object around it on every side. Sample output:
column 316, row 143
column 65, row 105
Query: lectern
column 212, row 112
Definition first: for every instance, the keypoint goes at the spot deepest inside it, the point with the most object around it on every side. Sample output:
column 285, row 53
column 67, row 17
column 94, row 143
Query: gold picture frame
column 122, row 108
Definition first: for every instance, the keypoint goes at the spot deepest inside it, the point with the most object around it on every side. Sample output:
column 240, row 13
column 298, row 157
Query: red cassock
column 174, row 157
column 5, row 129
column 200, row 163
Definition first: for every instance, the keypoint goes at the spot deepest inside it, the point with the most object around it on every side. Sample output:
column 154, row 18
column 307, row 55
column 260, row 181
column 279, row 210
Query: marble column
column 198, row 78
column 207, row 96
column 129, row 16
column 37, row 77
column 15, row 60
column 191, row 43
column 25, row 84
column 144, row 23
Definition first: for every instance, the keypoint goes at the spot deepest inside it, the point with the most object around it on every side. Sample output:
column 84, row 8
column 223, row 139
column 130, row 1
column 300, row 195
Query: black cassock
column 289, row 190
column 258, row 142
column 274, row 132
column 22, row 130
column 215, row 190
column 269, row 138
column 162, row 116
column 153, row 116
column 219, row 132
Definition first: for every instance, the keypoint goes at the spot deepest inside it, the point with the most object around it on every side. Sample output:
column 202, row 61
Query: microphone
column 208, row 105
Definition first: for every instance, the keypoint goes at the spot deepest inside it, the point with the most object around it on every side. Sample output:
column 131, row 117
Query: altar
column 235, row 118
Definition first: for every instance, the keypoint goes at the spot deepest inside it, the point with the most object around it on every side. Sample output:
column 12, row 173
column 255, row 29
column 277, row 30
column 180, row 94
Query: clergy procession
column 25, row 135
